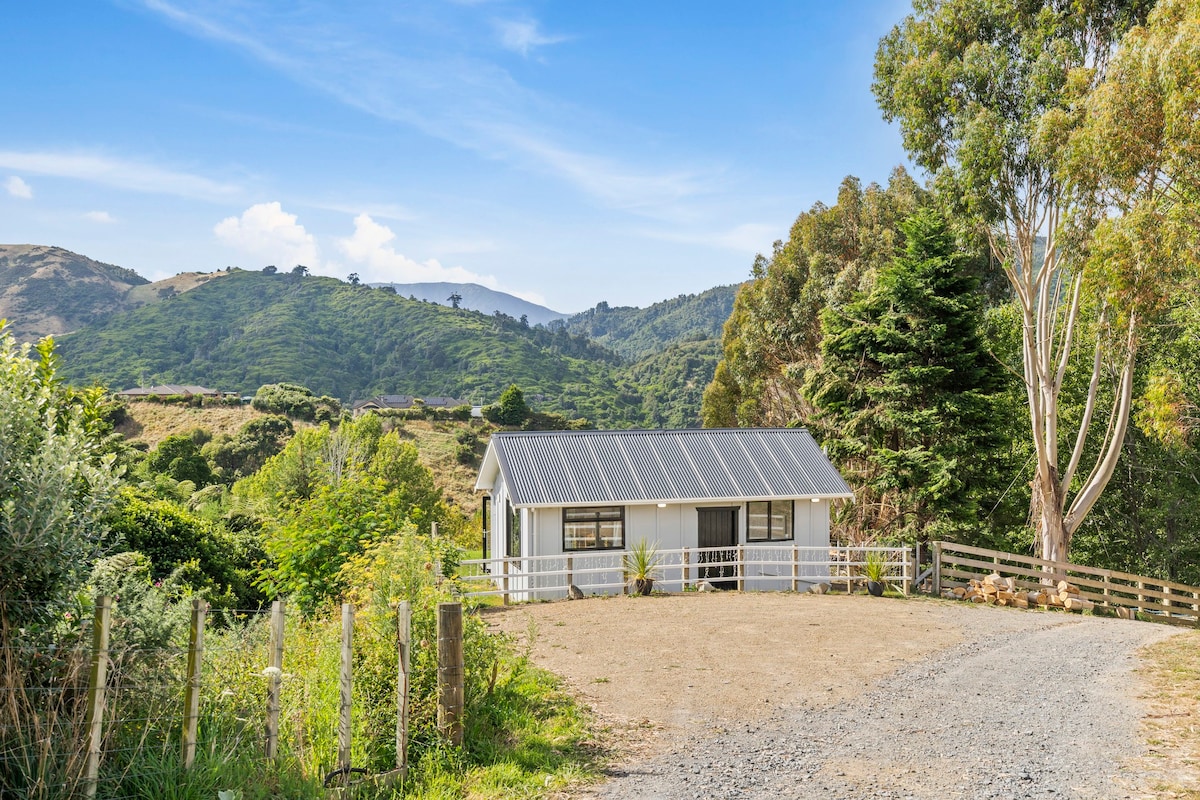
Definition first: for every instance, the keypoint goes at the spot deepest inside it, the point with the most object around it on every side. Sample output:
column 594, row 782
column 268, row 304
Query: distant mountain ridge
column 49, row 291
column 249, row 328
column 639, row 332
column 477, row 298
column 237, row 329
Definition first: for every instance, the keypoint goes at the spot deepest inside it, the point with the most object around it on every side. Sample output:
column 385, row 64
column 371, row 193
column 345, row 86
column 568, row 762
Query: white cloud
column 117, row 173
column 100, row 216
column 18, row 188
column 268, row 232
column 371, row 246
column 521, row 36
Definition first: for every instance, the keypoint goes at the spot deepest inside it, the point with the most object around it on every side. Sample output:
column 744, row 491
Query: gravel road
column 1026, row 705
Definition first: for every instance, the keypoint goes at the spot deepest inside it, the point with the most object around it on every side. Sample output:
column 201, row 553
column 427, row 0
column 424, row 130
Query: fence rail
column 1168, row 601
column 754, row 567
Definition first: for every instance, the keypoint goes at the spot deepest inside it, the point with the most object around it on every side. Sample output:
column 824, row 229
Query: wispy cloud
column 18, row 188
column 524, row 35
column 438, row 79
column 267, row 231
column 748, row 238
column 103, row 217
column 118, row 173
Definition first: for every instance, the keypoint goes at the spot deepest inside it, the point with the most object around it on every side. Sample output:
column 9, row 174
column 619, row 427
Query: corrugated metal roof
column 546, row 468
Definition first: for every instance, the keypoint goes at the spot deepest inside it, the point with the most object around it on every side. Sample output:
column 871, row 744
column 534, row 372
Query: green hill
column 250, row 328
column 48, row 291
column 638, row 332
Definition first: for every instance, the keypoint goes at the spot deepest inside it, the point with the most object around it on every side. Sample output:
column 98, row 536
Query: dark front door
column 718, row 528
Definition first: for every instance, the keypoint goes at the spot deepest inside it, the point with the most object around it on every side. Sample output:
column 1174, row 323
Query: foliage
column 773, row 334
column 511, row 410
column 876, row 566
column 641, row 562
column 329, row 495
column 637, row 333
column 295, row 401
column 179, row 457
column 672, row 382
column 1031, row 128
column 54, row 484
column 202, row 557
column 903, row 397
column 245, row 452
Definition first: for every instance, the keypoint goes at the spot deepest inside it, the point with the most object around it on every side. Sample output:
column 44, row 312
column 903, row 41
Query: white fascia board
column 689, row 501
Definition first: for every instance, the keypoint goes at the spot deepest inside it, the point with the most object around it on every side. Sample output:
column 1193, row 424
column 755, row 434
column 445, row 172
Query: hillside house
column 591, row 495
column 383, row 401
column 169, row 390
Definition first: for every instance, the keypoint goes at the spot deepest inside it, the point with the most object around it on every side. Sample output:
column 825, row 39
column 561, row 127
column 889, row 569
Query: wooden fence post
column 450, row 671
column 97, row 677
column 937, row 569
column 274, row 678
column 570, row 573
column 403, row 635
column 346, row 699
column 684, row 569
column 191, row 696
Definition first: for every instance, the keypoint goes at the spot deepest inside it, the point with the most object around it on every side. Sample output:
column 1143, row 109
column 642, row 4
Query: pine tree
column 903, row 395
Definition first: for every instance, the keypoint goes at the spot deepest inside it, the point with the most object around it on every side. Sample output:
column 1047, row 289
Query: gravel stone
column 1027, row 706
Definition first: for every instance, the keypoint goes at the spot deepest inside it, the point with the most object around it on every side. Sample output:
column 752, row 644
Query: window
column 514, row 531
column 593, row 528
column 769, row 521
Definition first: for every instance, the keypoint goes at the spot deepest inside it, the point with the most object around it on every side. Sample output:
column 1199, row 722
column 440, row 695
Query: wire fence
column 111, row 705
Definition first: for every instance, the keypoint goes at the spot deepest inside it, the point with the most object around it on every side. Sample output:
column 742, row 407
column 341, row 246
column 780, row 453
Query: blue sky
column 567, row 152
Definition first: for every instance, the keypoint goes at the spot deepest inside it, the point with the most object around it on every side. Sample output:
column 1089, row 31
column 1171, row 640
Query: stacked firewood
column 1000, row 591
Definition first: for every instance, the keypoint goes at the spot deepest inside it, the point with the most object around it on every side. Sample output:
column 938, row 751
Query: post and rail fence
column 1156, row 599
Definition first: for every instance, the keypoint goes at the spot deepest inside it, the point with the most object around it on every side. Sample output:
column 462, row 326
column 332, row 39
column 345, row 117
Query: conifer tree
column 903, row 395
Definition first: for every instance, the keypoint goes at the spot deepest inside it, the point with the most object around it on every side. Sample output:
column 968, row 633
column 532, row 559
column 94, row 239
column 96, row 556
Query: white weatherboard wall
column 671, row 527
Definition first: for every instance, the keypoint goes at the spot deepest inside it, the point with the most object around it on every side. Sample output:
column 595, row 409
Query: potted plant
column 875, row 567
column 641, row 567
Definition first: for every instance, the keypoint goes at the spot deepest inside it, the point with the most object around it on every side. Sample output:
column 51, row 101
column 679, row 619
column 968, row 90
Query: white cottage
column 576, row 500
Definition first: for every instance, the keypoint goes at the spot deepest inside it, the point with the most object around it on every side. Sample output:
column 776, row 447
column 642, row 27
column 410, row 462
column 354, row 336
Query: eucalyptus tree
column 1005, row 103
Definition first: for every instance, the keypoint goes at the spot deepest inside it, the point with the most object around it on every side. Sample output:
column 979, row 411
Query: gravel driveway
column 1006, row 704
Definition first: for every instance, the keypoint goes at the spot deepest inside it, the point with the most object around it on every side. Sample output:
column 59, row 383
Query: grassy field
column 153, row 422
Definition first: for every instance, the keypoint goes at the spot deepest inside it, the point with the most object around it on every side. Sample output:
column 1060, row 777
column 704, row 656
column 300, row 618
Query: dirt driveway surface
column 781, row 695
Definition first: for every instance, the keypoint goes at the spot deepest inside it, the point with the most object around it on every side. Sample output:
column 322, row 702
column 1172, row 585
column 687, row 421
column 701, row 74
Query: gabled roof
column 549, row 468
column 385, row 401
column 167, row 390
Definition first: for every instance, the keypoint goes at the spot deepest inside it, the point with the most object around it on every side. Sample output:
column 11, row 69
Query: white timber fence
column 744, row 567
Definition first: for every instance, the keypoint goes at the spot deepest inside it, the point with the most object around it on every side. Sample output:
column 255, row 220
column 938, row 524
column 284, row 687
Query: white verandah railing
column 757, row 567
